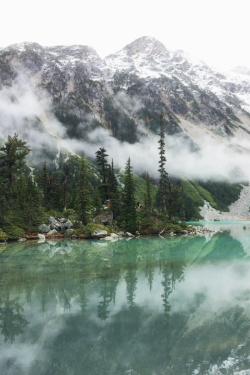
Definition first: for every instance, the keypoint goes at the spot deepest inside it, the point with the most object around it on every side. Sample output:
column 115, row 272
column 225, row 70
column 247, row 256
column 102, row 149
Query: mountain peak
column 26, row 45
column 147, row 45
column 241, row 70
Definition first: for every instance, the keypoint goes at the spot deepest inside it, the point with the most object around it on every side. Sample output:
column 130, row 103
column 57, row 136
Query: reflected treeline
column 67, row 271
column 12, row 321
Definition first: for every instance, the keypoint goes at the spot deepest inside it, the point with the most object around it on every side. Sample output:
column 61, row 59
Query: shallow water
column 141, row 306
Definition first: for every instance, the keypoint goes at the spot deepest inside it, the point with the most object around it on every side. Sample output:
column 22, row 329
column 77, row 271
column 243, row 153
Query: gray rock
column 127, row 234
column 41, row 236
column 68, row 232
column 74, row 236
column 67, row 225
column 120, row 234
column 22, row 239
column 114, row 236
column 62, row 220
column 43, row 228
column 51, row 232
column 97, row 233
column 51, row 219
column 54, row 224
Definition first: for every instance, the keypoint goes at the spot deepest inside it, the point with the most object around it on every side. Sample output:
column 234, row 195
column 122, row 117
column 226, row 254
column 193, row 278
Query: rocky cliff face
column 125, row 92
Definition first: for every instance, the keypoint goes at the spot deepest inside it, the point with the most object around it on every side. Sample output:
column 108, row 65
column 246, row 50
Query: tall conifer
column 101, row 159
column 129, row 200
column 83, row 204
column 163, row 182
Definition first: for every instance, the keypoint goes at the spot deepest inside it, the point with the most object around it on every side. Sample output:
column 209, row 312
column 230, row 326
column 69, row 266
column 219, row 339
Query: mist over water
column 144, row 306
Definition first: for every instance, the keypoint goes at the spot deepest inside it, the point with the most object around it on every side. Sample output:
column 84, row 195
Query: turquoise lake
column 144, row 306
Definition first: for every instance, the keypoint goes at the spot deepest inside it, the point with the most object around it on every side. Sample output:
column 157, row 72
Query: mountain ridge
column 124, row 94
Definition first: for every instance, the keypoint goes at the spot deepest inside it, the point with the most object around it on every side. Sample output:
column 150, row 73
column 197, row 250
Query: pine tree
column 129, row 200
column 12, row 157
column 83, row 204
column 66, row 170
column 148, row 197
column 5, row 211
column 115, row 193
column 43, row 183
column 101, row 159
column 97, row 203
column 113, row 184
column 148, row 204
column 33, row 212
column 163, row 182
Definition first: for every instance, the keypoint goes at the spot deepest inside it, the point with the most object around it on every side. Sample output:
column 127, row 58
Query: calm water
column 148, row 306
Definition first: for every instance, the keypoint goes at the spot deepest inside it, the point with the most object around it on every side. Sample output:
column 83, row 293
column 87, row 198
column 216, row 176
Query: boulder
column 51, row 232
column 41, row 236
column 120, row 234
column 54, row 224
column 127, row 234
column 62, row 220
column 22, row 239
column 68, row 232
column 74, row 236
column 43, row 228
column 67, row 225
column 97, row 233
column 111, row 238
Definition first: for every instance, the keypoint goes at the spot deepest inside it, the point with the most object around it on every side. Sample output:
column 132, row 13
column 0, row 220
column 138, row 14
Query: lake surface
column 148, row 306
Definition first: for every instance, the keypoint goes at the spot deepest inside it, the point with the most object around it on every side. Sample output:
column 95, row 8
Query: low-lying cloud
column 27, row 111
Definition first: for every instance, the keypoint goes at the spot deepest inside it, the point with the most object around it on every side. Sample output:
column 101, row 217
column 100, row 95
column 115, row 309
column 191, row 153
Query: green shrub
column 175, row 228
column 3, row 236
column 13, row 232
column 85, row 231
column 77, row 225
column 68, row 212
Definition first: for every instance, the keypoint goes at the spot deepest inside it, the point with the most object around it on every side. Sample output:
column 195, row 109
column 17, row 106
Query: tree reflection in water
column 12, row 322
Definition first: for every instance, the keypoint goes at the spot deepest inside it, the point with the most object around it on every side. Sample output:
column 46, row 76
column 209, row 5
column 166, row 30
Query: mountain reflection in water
column 144, row 306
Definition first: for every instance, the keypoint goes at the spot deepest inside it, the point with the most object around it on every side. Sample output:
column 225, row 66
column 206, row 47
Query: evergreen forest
column 93, row 194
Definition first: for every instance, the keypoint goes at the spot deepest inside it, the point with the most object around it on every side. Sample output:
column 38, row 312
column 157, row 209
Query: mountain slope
column 67, row 95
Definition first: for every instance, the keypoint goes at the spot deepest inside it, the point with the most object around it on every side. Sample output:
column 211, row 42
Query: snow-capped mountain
column 125, row 92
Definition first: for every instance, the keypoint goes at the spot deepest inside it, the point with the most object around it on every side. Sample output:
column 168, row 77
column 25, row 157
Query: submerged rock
column 97, row 233
column 41, row 236
column 127, row 234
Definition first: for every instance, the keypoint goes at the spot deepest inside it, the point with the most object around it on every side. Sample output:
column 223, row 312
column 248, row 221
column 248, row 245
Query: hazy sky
column 216, row 31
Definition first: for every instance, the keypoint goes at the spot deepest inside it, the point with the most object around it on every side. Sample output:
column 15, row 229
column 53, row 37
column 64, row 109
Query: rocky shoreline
column 61, row 228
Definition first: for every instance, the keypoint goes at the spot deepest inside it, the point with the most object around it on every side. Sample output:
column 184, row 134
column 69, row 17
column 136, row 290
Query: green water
column 148, row 306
